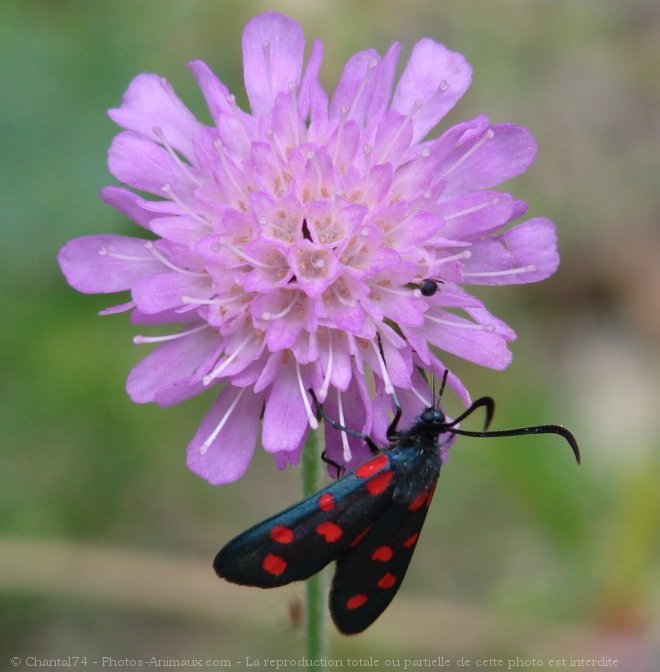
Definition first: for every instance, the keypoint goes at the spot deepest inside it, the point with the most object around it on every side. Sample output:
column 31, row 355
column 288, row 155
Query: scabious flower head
column 289, row 243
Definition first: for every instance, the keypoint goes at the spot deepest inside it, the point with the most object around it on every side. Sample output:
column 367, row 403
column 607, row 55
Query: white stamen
column 105, row 252
column 347, row 454
column 171, row 194
column 465, row 254
column 185, row 167
column 311, row 418
column 167, row 87
column 475, row 208
column 420, row 396
column 227, row 168
column 389, row 388
column 150, row 246
column 459, row 325
column 488, row 135
column 338, row 136
column 210, row 377
column 265, row 49
column 494, row 274
column 323, row 392
column 139, row 339
column 119, row 308
column 193, row 300
column 218, row 428
column 295, row 121
column 394, row 290
column 373, row 63
column 246, row 257
column 416, row 106
column 270, row 316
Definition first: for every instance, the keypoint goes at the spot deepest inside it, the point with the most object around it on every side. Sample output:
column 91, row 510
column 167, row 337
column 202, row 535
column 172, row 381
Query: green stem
column 314, row 586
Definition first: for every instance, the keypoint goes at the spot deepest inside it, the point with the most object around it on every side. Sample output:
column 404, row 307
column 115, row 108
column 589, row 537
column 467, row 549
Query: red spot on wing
column 356, row 601
column 379, row 484
column 360, row 537
column 281, row 534
column 387, row 580
column 410, row 541
column 418, row 502
column 372, row 466
column 326, row 502
column 382, row 554
column 273, row 564
column 330, row 531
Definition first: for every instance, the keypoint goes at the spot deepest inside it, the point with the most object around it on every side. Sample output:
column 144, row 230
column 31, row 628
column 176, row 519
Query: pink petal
column 165, row 290
column 435, row 76
column 180, row 230
column 473, row 214
column 500, row 153
column 382, row 92
column 106, row 263
column 151, row 102
column 144, row 165
column 273, row 49
column 468, row 340
column 169, row 363
column 285, row 419
column 530, row 247
column 356, row 86
column 310, row 79
column 228, row 455
column 138, row 209
column 214, row 91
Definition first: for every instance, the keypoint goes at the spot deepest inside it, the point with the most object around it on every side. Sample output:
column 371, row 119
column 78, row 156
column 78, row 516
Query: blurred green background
column 106, row 539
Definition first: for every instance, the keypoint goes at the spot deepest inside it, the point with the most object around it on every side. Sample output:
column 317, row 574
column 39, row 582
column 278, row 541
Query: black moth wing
column 367, row 579
column 301, row 540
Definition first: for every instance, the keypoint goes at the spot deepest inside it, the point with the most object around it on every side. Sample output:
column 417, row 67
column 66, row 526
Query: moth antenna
column 443, row 384
column 487, row 402
column 540, row 429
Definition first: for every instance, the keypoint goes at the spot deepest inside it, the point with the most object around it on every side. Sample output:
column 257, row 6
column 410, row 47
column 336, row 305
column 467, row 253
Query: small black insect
column 429, row 286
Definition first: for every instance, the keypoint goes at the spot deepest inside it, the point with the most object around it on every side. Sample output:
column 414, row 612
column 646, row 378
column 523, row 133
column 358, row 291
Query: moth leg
column 335, row 425
column 338, row 467
column 392, row 429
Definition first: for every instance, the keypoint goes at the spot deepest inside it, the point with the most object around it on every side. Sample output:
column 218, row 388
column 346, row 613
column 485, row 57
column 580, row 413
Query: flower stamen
column 105, row 252
column 185, row 167
column 210, row 377
column 171, row 194
column 218, row 428
column 323, row 392
column 494, row 274
column 475, row 208
column 372, row 65
column 139, row 339
column 265, row 50
column 488, row 135
column 311, row 417
column 150, row 246
column 460, row 325
column 347, row 454
column 229, row 172
column 389, row 387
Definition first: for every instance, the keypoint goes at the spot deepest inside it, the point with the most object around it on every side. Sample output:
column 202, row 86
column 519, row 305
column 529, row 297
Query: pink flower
column 289, row 244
